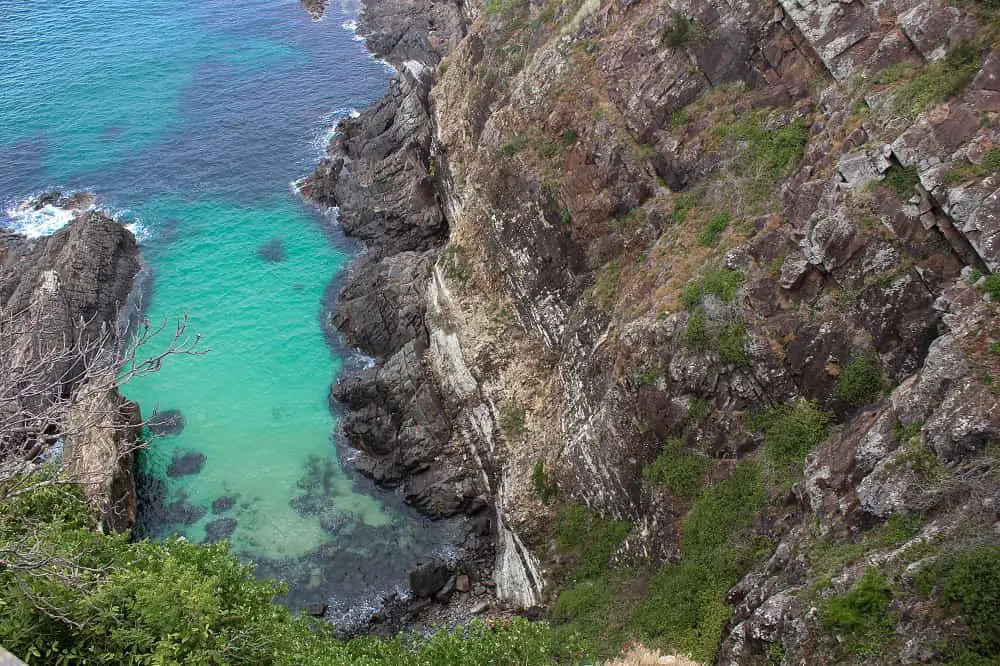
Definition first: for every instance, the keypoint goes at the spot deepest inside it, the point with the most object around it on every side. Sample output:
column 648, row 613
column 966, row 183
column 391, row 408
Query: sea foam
column 32, row 223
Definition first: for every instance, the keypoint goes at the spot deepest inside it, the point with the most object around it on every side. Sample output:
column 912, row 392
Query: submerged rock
column 166, row 423
column 183, row 464
column 182, row 512
column 273, row 251
column 223, row 504
column 220, row 529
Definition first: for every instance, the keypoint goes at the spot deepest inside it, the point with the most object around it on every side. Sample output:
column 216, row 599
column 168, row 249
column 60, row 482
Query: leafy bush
column 862, row 615
column 791, row 431
column 971, row 582
column 718, row 281
column 685, row 606
column 696, row 335
column 678, row 469
column 992, row 286
column 710, row 235
column 545, row 487
column 728, row 340
column 860, row 381
column 732, row 344
column 176, row 602
column 680, row 31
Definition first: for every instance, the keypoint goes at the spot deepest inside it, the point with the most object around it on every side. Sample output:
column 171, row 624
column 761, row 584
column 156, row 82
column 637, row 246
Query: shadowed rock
column 223, row 504
column 273, row 251
column 220, row 529
column 428, row 579
column 183, row 464
column 183, row 512
column 166, row 423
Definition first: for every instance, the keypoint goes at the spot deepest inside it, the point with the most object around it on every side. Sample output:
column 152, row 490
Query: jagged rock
column 428, row 579
column 70, row 286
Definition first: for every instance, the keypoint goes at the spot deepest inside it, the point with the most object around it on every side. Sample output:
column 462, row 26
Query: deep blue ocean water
column 190, row 119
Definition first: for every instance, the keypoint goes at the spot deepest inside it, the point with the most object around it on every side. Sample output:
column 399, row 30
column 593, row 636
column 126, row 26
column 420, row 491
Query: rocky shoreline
column 609, row 236
column 71, row 290
column 395, row 424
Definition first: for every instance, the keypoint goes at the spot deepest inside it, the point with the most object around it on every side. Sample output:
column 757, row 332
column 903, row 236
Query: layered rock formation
column 662, row 221
column 61, row 297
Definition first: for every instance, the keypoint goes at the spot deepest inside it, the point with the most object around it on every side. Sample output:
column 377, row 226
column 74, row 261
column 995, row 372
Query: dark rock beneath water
column 273, row 251
column 183, row 464
column 223, row 504
column 166, row 423
column 182, row 512
column 427, row 579
column 220, row 529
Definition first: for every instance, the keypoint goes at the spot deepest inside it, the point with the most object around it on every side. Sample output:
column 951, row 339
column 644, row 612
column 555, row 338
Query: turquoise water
column 190, row 119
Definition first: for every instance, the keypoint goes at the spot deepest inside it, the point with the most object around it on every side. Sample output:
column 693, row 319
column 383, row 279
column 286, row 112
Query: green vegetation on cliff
column 98, row 599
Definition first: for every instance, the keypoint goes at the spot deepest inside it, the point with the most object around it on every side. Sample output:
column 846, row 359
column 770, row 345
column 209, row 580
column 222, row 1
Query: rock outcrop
column 594, row 229
column 61, row 297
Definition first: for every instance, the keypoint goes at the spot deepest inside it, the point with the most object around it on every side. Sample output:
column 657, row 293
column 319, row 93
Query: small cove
column 190, row 120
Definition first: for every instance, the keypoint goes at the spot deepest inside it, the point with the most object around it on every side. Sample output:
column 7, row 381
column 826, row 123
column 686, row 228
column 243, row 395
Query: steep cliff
column 60, row 299
column 720, row 273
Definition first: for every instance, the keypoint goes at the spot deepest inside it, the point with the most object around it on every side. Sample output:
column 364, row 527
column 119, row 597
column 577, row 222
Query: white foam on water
column 31, row 223
column 330, row 122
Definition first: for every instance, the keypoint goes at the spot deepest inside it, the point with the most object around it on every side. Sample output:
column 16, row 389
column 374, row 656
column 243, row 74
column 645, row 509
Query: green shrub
column 860, row 381
column 971, row 583
column 732, row 344
column 545, row 487
column 685, row 607
column 696, row 334
column 697, row 409
column 568, row 138
column 902, row 179
column 720, row 282
column 939, row 81
column 791, row 431
column 680, row 31
column 862, row 615
column 518, row 143
column 115, row 601
column 678, row 469
column 588, row 540
column 992, row 286
column 710, row 235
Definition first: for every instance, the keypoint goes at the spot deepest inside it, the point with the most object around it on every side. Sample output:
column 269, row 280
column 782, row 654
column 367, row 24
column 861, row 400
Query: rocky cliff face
column 60, row 297
column 598, row 227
